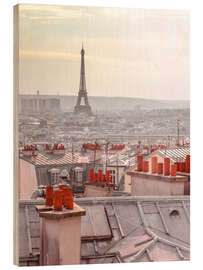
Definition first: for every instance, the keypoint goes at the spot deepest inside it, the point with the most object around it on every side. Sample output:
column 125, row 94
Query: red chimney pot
column 139, row 163
column 166, row 166
column 58, row 197
column 160, row 168
column 173, row 169
column 145, row 166
column 49, row 196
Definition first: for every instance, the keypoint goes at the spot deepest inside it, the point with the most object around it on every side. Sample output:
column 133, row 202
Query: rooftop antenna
column 107, row 152
column 95, row 149
column 178, row 131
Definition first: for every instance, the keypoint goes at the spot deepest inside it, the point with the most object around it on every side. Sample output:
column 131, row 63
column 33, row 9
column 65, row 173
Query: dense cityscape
column 102, row 179
column 64, row 127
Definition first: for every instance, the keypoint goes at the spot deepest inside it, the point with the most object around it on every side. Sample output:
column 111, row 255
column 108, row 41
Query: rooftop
column 51, row 159
column 175, row 154
column 120, row 229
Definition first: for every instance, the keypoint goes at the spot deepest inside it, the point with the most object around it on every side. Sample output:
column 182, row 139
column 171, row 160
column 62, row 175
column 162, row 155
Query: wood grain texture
column 15, row 131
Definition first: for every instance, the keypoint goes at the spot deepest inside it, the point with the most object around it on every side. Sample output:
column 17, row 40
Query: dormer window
column 54, row 173
column 78, row 176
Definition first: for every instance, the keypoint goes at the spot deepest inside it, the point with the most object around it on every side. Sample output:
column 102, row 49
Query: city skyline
column 128, row 52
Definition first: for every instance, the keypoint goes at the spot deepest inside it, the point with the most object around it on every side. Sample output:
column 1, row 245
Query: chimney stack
column 60, row 234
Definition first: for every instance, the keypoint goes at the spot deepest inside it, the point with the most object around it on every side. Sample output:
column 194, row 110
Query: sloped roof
column 45, row 162
column 121, row 159
column 121, row 229
column 175, row 154
column 43, row 159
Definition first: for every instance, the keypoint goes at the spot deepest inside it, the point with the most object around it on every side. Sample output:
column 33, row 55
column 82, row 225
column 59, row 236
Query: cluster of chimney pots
column 91, row 146
column 163, row 168
column 30, row 147
column 99, row 176
column 117, row 147
column 56, row 146
column 59, row 198
column 98, row 147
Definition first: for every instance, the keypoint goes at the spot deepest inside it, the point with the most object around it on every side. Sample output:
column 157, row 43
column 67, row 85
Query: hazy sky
column 140, row 53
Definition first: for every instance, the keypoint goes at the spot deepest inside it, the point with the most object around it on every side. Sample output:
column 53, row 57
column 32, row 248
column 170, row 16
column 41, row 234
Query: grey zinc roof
column 175, row 154
column 122, row 229
column 43, row 159
column 121, row 159
column 45, row 162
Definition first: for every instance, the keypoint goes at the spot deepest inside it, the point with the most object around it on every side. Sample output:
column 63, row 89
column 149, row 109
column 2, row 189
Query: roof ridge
column 165, row 241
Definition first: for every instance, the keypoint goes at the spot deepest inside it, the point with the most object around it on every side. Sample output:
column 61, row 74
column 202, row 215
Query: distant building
column 38, row 104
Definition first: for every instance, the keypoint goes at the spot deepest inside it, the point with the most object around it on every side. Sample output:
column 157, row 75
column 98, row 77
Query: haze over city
column 103, row 135
column 128, row 52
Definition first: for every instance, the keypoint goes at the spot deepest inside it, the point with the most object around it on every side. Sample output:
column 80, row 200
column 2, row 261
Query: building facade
column 38, row 104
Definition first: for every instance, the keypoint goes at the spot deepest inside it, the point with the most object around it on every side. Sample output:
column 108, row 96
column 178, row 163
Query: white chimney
column 60, row 235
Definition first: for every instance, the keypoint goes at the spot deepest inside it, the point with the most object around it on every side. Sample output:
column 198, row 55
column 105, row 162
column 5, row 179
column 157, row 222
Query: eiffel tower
column 82, row 94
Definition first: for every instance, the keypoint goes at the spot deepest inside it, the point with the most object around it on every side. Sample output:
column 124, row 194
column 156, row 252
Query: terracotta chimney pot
column 145, row 166
column 166, row 166
column 173, row 170
column 139, row 163
column 154, row 164
column 58, row 200
column 91, row 175
column 160, row 168
column 49, row 196
column 187, row 164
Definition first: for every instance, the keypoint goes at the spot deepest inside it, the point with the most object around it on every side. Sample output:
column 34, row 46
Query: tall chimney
column 60, row 236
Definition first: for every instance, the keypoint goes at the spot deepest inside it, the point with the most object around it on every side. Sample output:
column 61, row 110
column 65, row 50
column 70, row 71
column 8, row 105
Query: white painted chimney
column 60, row 235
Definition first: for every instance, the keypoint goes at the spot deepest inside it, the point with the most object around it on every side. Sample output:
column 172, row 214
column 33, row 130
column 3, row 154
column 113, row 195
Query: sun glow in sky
column 141, row 53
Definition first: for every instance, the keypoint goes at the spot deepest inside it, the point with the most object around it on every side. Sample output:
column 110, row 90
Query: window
column 79, row 178
column 113, row 176
column 54, row 178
